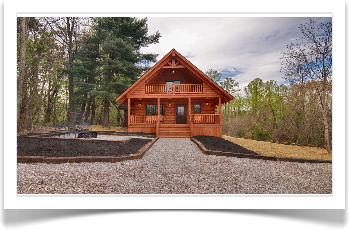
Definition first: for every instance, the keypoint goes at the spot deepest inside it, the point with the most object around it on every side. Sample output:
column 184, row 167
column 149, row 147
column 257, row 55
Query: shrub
column 258, row 133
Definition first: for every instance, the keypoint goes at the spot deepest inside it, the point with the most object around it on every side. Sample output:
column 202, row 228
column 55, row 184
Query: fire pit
column 87, row 134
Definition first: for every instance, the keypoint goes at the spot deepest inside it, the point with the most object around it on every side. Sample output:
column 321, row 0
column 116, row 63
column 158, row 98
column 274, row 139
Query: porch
column 178, row 130
column 175, row 117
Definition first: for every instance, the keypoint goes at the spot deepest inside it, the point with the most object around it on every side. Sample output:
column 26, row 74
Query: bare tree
column 311, row 60
column 67, row 31
column 22, row 63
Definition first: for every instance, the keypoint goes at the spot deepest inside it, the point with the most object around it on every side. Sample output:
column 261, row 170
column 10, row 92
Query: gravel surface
column 176, row 166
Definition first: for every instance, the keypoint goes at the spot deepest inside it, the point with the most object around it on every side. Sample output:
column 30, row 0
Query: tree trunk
column 106, row 112
column 70, row 28
column 22, row 67
column 87, row 114
column 327, row 133
column 82, row 111
column 93, row 112
column 323, row 106
column 48, row 107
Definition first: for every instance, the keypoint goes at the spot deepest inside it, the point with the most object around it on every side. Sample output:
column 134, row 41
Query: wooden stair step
column 179, row 129
column 174, row 126
column 184, row 136
column 172, row 135
column 174, row 130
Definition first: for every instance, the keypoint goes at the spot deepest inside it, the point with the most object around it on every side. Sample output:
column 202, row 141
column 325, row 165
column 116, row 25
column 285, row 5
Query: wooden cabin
column 175, row 99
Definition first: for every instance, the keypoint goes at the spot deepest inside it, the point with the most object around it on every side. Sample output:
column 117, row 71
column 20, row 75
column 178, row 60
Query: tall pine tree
column 110, row 61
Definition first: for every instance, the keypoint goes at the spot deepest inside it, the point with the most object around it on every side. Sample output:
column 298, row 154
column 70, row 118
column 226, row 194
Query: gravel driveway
column 176, row 165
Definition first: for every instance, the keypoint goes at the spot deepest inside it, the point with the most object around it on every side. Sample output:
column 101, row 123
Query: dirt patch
column 280, row 150
column 112, row 128
column 51, row 147
column 220, row 144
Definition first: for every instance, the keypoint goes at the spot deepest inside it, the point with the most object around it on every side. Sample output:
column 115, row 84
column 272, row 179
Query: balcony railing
column 196, row 119
column 173, row 88
column 205, row 119
column 148, row 119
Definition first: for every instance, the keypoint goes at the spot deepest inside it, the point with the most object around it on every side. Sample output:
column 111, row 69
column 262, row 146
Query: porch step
column 171, row 135
column 174, row 131
column 174, row 126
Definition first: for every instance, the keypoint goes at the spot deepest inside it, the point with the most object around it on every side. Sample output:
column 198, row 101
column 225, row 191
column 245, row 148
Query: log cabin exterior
column 175, row 99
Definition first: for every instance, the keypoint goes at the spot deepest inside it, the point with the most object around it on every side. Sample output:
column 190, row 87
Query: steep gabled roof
column 183, row 62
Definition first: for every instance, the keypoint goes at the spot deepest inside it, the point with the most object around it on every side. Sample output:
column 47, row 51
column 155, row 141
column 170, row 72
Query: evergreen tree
column 110, row 60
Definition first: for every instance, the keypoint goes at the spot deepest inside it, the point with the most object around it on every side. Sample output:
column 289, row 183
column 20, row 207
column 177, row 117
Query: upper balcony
column 173, row 88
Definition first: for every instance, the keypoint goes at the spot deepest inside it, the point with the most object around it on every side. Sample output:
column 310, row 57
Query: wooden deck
column 142, row 128
column 178, row 130
column 207, row 130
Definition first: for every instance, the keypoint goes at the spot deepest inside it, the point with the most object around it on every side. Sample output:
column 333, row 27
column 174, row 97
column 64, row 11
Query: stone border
column 252, row 156
column 57, row 160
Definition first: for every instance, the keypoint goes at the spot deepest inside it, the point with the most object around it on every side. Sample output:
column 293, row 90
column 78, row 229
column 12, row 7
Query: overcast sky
column 240, row 47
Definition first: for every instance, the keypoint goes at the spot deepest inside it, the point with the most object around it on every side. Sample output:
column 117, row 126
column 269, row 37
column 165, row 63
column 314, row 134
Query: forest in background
column 70, row 70
column 297, row 112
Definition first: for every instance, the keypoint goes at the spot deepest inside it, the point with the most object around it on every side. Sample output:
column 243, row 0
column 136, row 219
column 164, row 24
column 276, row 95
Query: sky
column 243, row 48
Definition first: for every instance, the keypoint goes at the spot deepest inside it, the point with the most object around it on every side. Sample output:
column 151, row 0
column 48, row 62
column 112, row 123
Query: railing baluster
column 205, row 119
column 174, row 88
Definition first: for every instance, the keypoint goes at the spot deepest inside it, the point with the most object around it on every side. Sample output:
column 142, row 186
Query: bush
column 258, row 133
column 241, row 133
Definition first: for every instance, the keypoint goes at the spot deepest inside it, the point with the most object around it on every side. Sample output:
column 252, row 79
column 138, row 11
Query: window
column 180, row 110
column 169, row 85
column 153, row 109
column 174, row 81
column 197, row 108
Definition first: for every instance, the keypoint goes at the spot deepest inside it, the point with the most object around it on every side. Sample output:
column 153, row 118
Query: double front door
column 181, row 114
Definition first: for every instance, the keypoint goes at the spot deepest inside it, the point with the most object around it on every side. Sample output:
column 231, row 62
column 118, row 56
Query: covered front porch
column 175, row 117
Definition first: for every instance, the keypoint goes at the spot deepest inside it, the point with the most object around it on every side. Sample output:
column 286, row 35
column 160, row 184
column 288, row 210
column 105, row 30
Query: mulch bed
column 54, row 147
column 222, row 145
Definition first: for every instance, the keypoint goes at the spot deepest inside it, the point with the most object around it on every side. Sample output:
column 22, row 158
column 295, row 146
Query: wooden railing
column 148, row 119
column 173, row 88
column 205, row 119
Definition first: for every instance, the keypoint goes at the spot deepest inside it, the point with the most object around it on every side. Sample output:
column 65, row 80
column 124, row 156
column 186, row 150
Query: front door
column 181, row 114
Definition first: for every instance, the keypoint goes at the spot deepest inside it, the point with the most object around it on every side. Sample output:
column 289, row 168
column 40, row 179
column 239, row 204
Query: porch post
column 190, row 123
column 159, row 109
column 220, row 111
column 129, row 111
column 158, row 121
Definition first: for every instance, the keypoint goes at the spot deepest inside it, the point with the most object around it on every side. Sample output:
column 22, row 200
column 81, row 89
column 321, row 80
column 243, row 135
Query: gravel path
column 177, row 166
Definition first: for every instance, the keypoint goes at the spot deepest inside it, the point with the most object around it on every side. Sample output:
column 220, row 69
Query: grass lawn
column 281, row 150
